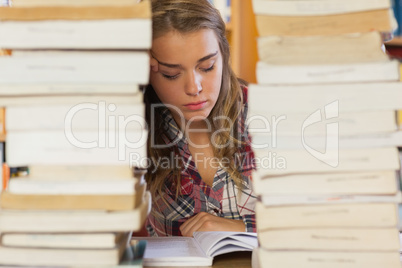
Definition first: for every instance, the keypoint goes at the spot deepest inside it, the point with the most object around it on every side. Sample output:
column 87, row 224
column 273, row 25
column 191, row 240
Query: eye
column 170, row 77
column 208, row 69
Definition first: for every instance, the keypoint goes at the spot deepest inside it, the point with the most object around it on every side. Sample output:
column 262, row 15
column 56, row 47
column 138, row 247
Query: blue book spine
column 397, row 7
column 228, row 10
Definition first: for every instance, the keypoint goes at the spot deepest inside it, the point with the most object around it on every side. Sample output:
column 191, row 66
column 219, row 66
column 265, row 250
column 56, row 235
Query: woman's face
column 186, row 73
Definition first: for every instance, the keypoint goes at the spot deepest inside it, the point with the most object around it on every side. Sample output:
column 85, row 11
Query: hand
column 204, row 221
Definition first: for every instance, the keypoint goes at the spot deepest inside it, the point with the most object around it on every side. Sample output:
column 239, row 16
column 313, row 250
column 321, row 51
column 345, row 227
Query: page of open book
column 216, row 243
column 174, row 251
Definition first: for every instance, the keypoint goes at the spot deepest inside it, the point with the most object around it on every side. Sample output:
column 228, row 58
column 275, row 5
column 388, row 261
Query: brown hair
column 187, row 16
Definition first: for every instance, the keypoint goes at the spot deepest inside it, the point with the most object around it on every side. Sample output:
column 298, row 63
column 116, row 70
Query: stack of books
column 75, row 118
column 324, row 132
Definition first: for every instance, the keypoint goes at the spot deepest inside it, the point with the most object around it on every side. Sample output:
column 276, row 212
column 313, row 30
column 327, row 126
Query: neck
column 186, row 126
column 198, row 125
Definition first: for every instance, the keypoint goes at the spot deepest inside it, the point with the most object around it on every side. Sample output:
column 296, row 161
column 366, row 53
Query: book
column 3, row 178
column 133, row 255
column 76, row 34
column 311, row 50
column 35, row 3
column 349, row 123
column 79, row 27
column 60, row 240
column 66, row 173
column 5, row 171
column 62, row 221
column 341, row 183
column 2, row 121
column 70, row 67
column 62, row 257
column 72, row 195
column 328, row 259
column 198, row 250
column 309, row 8
column 72, row 186
column 63, row 89
column 49, row 202
column 92, row 12
column 97, row 116
column 326, row 215
column 307, row 141
column 281, row 200
column 70, row 99
column 84, row 147
column 84, row 173
column 279, row 162
column 5, row 52
column 309, row 98
column 274, row 74
column 331, row 239
column 381, row 20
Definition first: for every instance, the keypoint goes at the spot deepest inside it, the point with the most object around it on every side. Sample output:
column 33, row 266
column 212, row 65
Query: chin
column 197, row 116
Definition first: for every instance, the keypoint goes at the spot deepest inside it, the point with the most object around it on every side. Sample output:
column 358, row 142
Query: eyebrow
column 179, row 65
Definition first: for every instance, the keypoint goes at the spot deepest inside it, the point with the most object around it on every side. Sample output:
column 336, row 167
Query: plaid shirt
column 222, row 199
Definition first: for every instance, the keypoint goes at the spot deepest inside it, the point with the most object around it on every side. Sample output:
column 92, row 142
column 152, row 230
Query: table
column 241, row 259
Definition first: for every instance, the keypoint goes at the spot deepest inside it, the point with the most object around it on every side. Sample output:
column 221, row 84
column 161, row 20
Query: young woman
column 200, row 177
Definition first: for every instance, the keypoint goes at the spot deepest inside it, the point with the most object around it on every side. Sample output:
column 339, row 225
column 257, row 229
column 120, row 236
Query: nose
column 193, row 86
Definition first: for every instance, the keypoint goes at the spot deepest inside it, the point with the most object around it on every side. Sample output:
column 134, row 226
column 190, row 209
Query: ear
column 154, row 65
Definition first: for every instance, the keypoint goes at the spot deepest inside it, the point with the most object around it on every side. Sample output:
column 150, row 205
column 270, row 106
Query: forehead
column 176, row 47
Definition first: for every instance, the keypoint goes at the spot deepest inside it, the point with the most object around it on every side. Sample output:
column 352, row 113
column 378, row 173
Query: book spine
column 141, row 11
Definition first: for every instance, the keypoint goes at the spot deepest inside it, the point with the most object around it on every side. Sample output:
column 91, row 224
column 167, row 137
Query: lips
column 196, row 105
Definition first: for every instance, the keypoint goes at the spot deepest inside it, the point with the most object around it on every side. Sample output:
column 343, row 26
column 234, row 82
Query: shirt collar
column 173, row 135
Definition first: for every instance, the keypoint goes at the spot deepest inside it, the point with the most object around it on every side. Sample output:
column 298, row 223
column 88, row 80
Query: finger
column 187, row 226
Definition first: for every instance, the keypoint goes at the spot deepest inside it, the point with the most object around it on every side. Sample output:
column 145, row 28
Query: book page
column 174, row 251
column 216, row 243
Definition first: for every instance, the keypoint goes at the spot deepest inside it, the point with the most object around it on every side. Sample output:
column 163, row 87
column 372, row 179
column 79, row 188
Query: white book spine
column 82, row 116
column 70, row 68
column 63, row 147
column 62, row 89
column 327, row 259
column 275, row 162
column 327, row 74
column 345, row 239
column 71, row 187
column 317, row 8
column 74, row 221
column 323, row 142
column 35, row 3
column 341, row 183
column 333, row 98
column 281, row 200
column 292, row 124
column 59, row 34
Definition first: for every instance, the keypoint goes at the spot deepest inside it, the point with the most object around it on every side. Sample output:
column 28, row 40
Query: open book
column 195, row 251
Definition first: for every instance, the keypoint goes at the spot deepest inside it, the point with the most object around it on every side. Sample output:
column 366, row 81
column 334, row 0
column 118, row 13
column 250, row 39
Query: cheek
column 215, row 84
